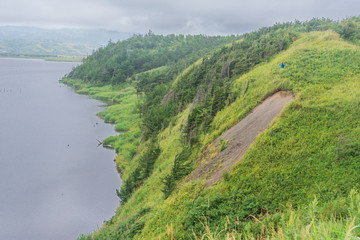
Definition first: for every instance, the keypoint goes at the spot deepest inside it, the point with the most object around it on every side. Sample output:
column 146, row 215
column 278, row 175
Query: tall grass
column 313, row 221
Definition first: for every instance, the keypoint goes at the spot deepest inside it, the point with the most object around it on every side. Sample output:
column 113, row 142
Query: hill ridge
column 312, row 149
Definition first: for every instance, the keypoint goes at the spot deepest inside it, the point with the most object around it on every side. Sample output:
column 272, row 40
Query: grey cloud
column 187, row 16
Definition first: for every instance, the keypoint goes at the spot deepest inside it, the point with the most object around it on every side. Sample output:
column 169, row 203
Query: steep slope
column 312, row 149
column 303, row 154
column 228, row 149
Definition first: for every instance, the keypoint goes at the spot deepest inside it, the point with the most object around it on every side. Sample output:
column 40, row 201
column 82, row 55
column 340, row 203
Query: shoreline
column 120, row 111
column 51, row 58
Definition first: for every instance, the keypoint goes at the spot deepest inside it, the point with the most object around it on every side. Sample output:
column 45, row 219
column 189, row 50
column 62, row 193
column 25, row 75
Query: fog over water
column 55, row 182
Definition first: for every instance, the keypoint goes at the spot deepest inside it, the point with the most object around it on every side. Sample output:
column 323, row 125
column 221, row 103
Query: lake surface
column 55, row 182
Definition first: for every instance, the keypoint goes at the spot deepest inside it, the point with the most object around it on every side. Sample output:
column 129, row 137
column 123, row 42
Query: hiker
column 282, row 65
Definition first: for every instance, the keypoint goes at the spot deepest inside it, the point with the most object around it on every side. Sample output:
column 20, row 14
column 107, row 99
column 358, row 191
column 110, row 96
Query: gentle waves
column 55, row 182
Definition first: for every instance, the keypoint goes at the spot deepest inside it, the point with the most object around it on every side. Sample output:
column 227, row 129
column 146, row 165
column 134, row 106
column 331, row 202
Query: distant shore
column 50, row 58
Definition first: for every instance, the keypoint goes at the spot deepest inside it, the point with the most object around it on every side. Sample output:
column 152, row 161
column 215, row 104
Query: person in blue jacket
column 282, row 65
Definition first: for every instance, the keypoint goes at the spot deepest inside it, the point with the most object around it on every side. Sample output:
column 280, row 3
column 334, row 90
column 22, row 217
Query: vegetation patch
column 311, row 149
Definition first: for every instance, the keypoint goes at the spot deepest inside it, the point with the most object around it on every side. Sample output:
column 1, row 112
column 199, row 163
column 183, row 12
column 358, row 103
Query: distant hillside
column 38, row 42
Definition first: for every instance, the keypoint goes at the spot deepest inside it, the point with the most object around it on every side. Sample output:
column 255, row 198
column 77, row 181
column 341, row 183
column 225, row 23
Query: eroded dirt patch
column 239, row 138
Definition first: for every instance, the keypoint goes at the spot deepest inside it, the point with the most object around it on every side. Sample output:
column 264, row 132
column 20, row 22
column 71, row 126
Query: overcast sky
column 171, row 16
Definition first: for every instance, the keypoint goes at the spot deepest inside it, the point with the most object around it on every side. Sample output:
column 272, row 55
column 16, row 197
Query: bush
column 180, row 169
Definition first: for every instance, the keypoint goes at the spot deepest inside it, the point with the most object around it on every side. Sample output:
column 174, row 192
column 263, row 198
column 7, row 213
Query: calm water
column 55, row 183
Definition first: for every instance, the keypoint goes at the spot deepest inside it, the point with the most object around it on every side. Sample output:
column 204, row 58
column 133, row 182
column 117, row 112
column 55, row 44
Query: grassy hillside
column 313, row 149
column 298, row 180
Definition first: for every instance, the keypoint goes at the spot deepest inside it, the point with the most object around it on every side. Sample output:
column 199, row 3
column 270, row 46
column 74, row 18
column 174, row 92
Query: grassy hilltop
column 298, row 180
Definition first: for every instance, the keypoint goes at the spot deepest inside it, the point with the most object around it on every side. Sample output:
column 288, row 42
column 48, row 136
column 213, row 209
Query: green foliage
column 150, row 62
column 128, row 185
column 216, row 209
column 311, row 149
column 119, row 61
column 297, row 158
column 317, row 220
column 214, row 76
column 149, row 157
column 152, row 87
column 191, row 129
column 223, row 144
column 181, row 168
column 241, row 56
column 145, row 82
column 156, row 116
column 202, row 115
column 126, row 228
column 349, row 29
column 142, row 171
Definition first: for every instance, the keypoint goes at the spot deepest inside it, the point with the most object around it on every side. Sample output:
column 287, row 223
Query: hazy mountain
column 31, row 41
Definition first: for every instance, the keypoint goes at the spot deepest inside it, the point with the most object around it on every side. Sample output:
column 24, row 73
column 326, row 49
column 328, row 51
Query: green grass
column 131, row 212
column 312, row 149
column 336, row 220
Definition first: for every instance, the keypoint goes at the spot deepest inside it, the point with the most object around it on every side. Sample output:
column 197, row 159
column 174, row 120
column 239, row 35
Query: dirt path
column 239, row 138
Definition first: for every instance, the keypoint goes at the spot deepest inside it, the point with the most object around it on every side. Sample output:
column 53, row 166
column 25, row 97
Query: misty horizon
column 187, row 17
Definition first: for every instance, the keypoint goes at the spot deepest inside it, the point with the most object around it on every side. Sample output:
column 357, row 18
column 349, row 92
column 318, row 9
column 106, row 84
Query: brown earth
column 238, row 139
column 167, row 97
